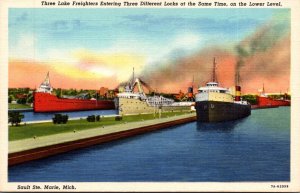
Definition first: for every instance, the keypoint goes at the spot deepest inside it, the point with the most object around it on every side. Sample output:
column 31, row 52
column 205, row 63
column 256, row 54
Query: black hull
column 215, row 111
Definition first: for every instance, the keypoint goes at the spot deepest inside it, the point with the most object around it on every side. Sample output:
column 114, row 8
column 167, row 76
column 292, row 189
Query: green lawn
column 18, row 106
column 42, row 129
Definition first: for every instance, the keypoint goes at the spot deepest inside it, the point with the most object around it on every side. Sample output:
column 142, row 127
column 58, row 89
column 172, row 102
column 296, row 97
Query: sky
column 90, row 48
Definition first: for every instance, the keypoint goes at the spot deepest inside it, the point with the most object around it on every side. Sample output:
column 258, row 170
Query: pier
column 39, row 147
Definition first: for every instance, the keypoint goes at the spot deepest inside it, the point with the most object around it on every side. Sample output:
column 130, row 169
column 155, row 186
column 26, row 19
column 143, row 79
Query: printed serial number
column 279, row 186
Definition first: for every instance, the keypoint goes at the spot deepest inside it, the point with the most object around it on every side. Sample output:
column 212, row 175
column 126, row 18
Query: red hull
column 262, row 107
column 268, row 102
column 45, row 102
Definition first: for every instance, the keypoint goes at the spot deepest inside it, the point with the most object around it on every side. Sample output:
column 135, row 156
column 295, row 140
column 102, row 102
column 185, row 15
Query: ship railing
column 242, row 102
column 182, row 104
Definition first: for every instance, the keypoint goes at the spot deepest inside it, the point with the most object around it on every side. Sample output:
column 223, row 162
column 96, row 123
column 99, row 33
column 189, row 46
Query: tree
column 11, row 98
column 15, row 118
column 252, row 99
column 29, row 98
column 58, row 92
column 21, row 101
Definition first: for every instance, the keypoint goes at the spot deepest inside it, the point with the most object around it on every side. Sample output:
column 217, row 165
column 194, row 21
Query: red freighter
column 263, row 101
column 45, row 101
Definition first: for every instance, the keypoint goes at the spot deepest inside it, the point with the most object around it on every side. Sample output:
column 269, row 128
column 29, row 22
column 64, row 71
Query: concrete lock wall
column 30, row 149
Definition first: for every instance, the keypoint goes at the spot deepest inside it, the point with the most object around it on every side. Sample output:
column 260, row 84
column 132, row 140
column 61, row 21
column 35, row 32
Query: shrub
column 118, row 118
column 59, row 118
column 91, row 118
column 65, row 119
column 98, row 118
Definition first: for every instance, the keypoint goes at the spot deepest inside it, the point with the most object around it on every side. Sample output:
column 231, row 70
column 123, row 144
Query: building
column 103, row 92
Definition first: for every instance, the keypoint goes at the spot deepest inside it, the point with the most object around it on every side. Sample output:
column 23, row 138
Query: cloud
column 262, row 57
column 109, row 64
column 31, row 73
column 187, row 41
column 181, row 45
column 66, row 26
column 266, row 52
column 17, row 19
column 75, row 72
column 164, row 47
column 179, row 75
column 24, row 48
column 102, row 71
column 23, row 17
column 57, row 56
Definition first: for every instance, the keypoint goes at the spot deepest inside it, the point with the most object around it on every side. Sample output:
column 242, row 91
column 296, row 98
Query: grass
column 18, row 106
column 43, row 129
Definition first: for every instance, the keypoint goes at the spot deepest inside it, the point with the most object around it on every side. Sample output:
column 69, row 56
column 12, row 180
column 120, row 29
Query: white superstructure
column 45, row 86
column 212, row 92
column 151, row 100
column 159, row 101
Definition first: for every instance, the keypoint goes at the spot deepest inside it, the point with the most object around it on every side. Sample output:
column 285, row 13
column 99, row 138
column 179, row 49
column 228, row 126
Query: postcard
column 150, row 96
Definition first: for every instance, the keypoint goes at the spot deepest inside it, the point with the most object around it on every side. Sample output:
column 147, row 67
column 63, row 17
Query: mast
column 191, row 91
column 133, row 73
column 47, row 79
column 133, row 81
column 237, row 78
column 193, row 85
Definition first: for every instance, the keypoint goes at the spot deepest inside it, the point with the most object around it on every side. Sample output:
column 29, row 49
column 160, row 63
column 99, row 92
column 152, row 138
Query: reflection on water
column 223, row 126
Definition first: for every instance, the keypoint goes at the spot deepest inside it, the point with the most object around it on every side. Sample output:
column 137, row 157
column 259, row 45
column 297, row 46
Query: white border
column 294, row 184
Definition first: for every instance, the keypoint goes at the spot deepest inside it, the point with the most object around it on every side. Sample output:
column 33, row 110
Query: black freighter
column 217, row 104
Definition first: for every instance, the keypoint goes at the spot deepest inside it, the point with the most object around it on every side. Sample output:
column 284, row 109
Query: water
column 32, row 116
column 256, row 148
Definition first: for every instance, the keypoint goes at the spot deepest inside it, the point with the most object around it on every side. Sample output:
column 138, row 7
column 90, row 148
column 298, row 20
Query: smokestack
column 190, row 93
column 214, row 77
column 237, row 93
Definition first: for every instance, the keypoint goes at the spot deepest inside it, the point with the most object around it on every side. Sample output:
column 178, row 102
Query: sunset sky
column 90, row 48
